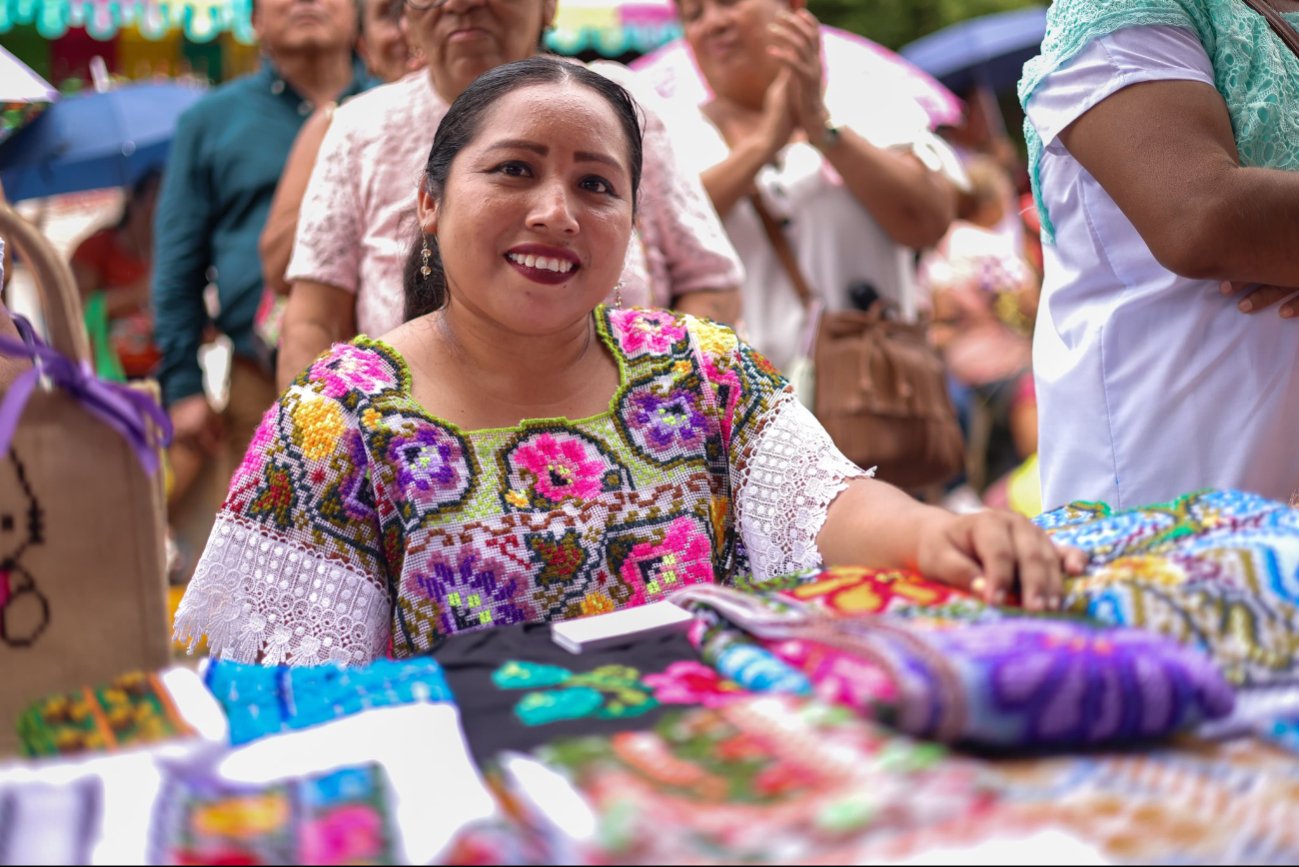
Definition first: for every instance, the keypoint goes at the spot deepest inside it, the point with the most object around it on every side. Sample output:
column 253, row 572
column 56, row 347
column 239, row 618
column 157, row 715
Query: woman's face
column 534, row 221
column 383, row 44
column 729, row 38
column 462, row 39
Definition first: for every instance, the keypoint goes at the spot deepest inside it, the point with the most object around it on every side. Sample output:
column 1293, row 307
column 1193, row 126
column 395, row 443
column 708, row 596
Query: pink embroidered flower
column 684, row 557
column 562, row 467
column 727, row 385
column 351, row 834
column 646, row 331
column 693, row 683
column 352, row 368
column 253, row 467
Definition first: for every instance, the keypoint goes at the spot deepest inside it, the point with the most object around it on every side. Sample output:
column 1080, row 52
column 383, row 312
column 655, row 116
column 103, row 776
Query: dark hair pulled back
column 425, row 294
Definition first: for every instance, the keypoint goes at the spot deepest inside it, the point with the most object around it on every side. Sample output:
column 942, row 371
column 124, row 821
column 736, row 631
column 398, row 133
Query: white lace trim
column 784, row 490
column 261, row 598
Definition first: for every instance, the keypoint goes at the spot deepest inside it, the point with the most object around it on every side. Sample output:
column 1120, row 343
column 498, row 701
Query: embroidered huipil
column 358, row 523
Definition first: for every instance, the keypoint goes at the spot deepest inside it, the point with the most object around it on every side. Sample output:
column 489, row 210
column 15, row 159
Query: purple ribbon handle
column 130, row 412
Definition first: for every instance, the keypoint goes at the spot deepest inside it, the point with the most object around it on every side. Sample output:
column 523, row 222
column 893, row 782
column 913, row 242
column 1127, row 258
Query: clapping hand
column 796, row 43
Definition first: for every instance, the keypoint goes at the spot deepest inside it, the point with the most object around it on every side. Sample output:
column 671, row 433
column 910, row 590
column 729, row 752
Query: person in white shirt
column 848, row 167
column 1162, row 146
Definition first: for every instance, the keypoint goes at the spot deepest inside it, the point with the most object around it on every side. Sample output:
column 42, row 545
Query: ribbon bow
column 130, row 412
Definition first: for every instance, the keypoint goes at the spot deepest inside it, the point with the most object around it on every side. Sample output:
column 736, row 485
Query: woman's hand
column 992, row 552
column 1257, row 296
column 796, row 43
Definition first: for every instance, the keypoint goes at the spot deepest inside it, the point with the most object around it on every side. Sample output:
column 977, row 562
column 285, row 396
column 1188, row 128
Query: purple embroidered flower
column 354, row 495
column 352, row 368
column 646, row 331
column 472, row 592
column 665, row 419
column 1067, row 683
column 430, row 464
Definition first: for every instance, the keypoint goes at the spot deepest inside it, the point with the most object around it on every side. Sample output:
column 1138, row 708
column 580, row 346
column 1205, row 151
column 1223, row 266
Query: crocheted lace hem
column 259, row 597
column 785, row 489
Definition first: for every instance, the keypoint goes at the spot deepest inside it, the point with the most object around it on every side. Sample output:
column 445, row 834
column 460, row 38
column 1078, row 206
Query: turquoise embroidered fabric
column 1257, row 75
column 358, row 519
column 260, row 700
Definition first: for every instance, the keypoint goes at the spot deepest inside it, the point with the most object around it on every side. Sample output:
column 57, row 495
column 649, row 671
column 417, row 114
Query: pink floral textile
column 358, row 216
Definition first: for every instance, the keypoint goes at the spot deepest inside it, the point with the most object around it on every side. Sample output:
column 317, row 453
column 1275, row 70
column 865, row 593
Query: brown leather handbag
column 880, row 388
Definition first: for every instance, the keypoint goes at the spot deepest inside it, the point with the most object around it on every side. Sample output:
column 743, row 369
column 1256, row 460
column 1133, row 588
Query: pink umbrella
column 672, row 71
column 19, row 84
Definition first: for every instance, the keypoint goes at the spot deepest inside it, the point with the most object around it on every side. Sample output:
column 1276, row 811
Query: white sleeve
column 785, row 483
column 1110, row 63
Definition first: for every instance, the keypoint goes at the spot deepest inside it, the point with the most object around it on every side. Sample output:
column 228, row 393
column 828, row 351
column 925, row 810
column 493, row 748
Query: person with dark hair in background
column 226, row 159
column 358, row 213
column 519, row 452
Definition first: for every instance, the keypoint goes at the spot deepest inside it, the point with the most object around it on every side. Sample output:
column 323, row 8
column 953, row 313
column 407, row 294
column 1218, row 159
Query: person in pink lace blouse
column 358, row 216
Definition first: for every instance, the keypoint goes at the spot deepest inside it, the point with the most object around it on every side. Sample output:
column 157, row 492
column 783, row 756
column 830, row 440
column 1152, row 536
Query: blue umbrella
column 94, row 140
column 989, row 51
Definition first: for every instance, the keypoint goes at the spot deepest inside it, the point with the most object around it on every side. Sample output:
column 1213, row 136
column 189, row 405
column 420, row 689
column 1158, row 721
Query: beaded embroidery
column 357, row 518
column 132, row 710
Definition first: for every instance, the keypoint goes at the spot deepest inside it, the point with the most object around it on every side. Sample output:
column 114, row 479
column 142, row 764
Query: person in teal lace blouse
column 1164, row 149
column 519, row 452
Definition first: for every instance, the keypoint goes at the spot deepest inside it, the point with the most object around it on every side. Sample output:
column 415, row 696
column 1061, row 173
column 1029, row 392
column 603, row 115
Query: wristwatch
column 830, row 134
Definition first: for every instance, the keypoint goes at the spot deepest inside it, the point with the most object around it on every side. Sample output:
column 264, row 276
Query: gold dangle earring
column 617, row 296
column 425, row 254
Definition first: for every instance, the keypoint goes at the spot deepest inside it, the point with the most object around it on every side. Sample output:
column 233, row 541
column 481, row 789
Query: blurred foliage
column 894, row 23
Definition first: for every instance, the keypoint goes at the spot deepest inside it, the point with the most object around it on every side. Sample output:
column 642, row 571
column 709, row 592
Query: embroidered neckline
column 603, row 333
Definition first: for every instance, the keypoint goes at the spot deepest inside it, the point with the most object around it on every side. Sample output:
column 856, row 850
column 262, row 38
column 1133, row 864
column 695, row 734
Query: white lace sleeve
column 259, row 598
column 784, row 485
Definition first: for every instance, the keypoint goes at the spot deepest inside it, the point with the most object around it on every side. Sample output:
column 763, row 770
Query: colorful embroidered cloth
column 767, row 780
column 357, row 520
column 517, row 689
column 1218, row 570
column 342, row 817
column 265, row 700
column 133, row 710
column 968, row 673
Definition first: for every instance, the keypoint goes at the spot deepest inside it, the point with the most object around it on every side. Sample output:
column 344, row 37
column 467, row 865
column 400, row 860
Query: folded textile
column 1218, row 570
column 764, row 780
column 137, row 709
column 977, row 675
column 266, row 700
column 389, row 785
column 516, row 688
column 343, row 816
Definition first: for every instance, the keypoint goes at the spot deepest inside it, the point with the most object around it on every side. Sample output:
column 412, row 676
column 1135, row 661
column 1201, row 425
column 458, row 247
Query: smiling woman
column 359, row 213
column 519, row 452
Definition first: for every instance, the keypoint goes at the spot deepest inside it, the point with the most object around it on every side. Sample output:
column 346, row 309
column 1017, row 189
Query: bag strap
column 784, row 252
column 1279, row 24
